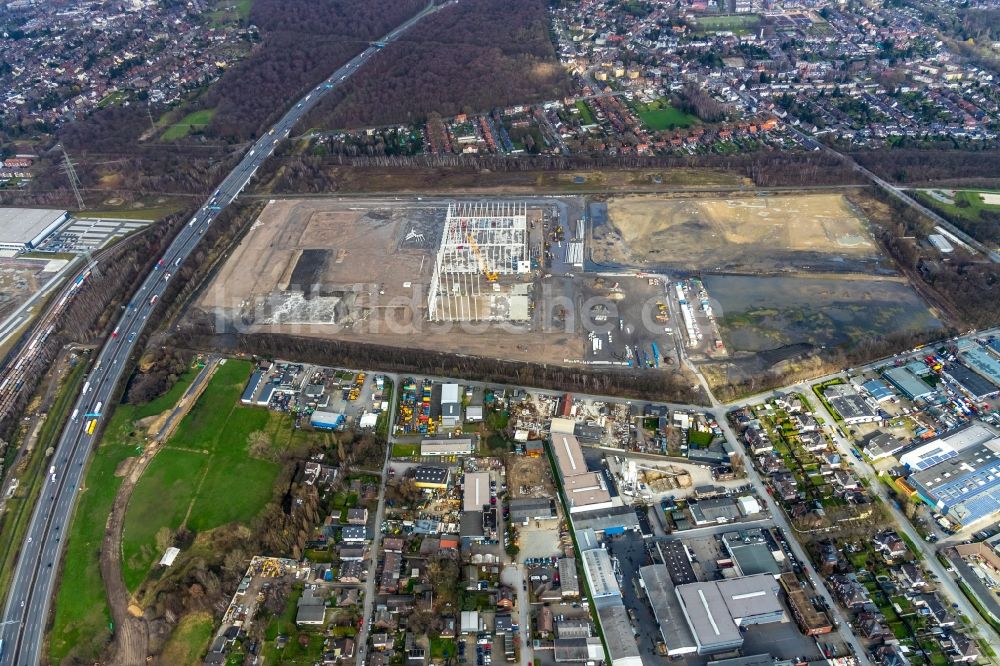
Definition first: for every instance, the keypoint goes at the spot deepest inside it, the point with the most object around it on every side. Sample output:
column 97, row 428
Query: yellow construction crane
column 490, row 275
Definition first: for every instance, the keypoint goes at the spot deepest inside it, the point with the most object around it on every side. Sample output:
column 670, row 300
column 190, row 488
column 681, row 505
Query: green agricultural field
column 658, row 115
column 80, row 626
column 193, row 121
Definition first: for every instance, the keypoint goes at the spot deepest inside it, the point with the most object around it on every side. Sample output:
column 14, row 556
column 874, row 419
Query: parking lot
column 84, row 234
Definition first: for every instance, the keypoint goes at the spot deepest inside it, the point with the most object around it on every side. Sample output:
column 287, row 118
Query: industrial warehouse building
column 669, row 617
column 584, row 490
column 459, row 446
column 529, row 508
column 432, row 478
column 852, row 407
column 476, row 491
column 907, row 380
column 326, row 420
column 716, row 610
column 23, row 229
column 965, row 487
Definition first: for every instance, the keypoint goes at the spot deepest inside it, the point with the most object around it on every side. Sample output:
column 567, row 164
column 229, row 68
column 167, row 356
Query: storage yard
column 755, row 234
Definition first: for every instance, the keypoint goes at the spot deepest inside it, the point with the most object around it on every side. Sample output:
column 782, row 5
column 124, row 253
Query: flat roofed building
column 708, row 618
column 972, row 383
column 909, row 383
column 811, row 620
column 586, row 492
column 615, row 519
column 458, row 446
column 562, row 425
column 569, row 583
column 532, row 508
column 716, row 610
column 569, row 455
column 965, row 487
column 982, row 362
column 850, row 405
column 877, row 389
column 600, row 576
column 23, row 229
column 476, row 491
column 431, row 478
column 751, row 558
column 622, row 646
column 669, row 617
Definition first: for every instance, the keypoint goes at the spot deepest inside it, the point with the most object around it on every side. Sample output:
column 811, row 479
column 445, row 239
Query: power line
column 74, row 180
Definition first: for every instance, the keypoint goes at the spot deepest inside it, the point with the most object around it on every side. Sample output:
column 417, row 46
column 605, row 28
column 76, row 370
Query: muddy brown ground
column 751, row 233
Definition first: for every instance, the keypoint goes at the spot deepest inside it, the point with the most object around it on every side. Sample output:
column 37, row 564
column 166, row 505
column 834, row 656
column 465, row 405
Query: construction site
column 482, row 264
column 494, row 278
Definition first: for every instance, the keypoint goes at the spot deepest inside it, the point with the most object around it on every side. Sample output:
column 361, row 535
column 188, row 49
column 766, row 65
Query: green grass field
column 203, row 477
column 189, row 641
column 658, row 115
column 152, row 213
column 734, row 23
column 586, row 117
column 284, row 625
column 400, row 450
column 969, row 207
column 230, row 11
column 112, row 99
column 80, row 626
column 192, row 121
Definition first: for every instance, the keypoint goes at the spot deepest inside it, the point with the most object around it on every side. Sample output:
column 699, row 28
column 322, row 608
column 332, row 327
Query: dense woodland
column 474, row 56
column 302, row 43
column 937, row 163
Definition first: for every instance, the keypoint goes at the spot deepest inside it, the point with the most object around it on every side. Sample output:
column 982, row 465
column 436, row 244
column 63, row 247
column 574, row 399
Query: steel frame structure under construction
column 481, row 242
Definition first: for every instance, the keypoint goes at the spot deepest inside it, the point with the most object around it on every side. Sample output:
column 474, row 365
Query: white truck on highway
column 76, row 413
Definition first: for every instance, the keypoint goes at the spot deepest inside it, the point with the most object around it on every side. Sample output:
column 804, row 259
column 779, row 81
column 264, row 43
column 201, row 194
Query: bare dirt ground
column 529, row 477
column 352, row 271
column 20, row 278
column 747, row 234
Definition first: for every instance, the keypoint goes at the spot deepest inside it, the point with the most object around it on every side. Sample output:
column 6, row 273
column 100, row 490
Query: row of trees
column 676, row 387
column 474, row 56
column 297, row 173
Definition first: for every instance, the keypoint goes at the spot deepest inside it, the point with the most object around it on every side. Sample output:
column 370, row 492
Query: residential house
column 890, row 655
column 962, row 648
column 890, row 545
column 849, row 592
column 357, row 516
column 351, row 573
column 871, row 625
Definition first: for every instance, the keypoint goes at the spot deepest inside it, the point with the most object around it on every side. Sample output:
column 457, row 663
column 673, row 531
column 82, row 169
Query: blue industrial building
column 326, row 420
column 965, row 487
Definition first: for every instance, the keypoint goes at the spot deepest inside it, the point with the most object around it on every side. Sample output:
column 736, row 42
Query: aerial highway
column 33, row 581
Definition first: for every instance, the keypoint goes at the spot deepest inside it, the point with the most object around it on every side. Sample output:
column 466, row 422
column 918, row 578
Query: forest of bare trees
column 302, row 43
column 936, row 162
column 474, row 56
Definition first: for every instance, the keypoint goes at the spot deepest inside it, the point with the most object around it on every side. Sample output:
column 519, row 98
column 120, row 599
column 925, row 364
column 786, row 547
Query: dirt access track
column 752, row 234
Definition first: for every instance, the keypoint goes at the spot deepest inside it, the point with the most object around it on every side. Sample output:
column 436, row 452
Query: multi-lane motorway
column 35, row 574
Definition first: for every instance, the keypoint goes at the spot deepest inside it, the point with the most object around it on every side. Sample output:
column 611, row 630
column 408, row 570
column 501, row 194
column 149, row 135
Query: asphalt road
column 26, row 612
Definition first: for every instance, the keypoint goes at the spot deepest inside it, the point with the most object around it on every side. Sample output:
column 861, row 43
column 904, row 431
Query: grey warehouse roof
column 23, row 225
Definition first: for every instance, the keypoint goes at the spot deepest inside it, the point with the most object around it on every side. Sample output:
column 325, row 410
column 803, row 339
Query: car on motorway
column 114, row 333
column 153, row 299
column 166, row 277
column 131, row 336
